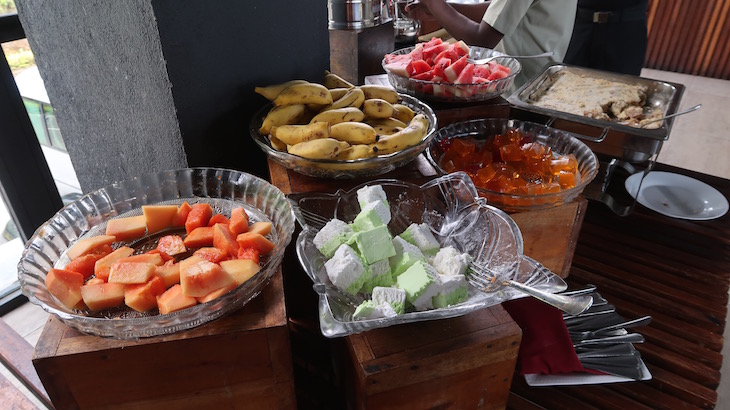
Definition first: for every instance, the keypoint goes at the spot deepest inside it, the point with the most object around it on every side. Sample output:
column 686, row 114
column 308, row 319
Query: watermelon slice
column 460, row 48
column 417, row 67
column 466, row 76
column 496, row 75
column 482, row 70
column 448, row 55
column 452, row 72
column 425, row 76
column 430, row 53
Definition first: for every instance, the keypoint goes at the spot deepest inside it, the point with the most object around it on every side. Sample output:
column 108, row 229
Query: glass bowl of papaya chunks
column 338, row 130
column 158, row 253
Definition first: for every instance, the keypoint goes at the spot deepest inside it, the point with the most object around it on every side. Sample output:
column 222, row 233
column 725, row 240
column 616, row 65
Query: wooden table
column 677, row 271
column 243, row 359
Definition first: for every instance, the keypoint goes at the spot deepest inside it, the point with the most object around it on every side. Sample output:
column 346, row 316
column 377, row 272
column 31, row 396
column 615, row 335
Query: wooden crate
column 457, row 363
column 550, row 235
column 355, row 54
column 242, row 360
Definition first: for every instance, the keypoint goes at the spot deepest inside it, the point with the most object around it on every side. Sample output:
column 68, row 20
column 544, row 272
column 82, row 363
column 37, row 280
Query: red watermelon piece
column 452, row 72
column 417, row 67
column 466, row 76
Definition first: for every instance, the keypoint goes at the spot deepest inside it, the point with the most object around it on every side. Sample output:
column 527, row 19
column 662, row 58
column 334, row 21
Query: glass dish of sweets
column 516, row 165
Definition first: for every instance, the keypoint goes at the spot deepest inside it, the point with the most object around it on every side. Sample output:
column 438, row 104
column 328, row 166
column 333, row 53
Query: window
column 28, row 193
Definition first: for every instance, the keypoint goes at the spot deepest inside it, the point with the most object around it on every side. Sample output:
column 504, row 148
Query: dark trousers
column 616, row 44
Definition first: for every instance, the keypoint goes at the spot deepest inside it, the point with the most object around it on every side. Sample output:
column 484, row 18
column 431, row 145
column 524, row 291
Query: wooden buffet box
column 459, row 363
column 242, row 360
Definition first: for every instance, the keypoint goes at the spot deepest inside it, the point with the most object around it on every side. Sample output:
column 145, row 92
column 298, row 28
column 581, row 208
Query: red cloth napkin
column 546, row 347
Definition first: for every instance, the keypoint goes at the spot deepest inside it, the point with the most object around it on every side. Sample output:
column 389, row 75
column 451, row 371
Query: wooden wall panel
column 689, row 36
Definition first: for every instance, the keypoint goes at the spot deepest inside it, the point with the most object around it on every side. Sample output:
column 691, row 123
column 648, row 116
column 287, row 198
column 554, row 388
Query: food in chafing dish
column 599, row 98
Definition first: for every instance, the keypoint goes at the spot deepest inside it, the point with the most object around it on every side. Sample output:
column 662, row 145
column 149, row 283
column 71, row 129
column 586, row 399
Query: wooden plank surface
column 676, row 271
column 244, row 357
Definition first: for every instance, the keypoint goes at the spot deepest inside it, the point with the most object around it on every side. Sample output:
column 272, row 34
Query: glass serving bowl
column 222, row 189
column 449, row 92
column 450, row 207
column 345, row 169
column 561, row 142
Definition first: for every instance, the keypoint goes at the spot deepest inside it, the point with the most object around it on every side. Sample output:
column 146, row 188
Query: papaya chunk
column 256, row 241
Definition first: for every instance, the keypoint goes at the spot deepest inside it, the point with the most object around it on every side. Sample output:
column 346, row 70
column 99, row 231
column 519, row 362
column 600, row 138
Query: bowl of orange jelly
column 516, row 165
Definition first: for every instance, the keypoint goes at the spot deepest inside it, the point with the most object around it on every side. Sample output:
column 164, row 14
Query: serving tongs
column 485, row 280
column 481, row 61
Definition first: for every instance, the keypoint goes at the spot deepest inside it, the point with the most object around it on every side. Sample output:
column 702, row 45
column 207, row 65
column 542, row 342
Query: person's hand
column 419, row 11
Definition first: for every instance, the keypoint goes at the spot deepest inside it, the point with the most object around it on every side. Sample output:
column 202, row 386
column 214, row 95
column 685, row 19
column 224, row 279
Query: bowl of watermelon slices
column 439, row 71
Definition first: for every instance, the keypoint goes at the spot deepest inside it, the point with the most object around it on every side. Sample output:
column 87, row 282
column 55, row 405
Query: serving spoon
column 488, row 59
column 687, row 111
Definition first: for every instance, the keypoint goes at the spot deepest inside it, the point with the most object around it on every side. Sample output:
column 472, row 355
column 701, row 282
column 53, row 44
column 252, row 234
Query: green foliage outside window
column 7, row 6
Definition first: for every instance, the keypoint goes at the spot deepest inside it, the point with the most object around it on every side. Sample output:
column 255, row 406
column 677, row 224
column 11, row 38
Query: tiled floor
column 699, row 141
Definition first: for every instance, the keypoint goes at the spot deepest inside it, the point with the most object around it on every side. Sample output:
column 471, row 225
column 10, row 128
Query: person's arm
column 463, row 21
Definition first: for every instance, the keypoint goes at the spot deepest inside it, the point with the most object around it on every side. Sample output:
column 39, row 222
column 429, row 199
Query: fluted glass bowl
column 456, row 93
column 456, row 216
column 345, row 169
column 561, row 142
column 222, row 189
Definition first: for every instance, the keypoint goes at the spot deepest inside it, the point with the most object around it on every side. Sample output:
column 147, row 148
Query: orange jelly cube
column 566, row 179
column 462, row 147
column 566, row 163
column 551, row 188
column 511, row 153
column 485, row 174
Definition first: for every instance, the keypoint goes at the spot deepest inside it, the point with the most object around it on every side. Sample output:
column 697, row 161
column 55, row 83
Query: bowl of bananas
column 339, row 130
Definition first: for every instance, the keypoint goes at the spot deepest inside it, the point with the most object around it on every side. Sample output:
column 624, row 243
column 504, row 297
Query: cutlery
column 589, row 313
column 645, row 320
column 599, row 351
column 595, row 321
column 485, row 280
column 687, row 111
column 627, row 338
column 589, row 290
column 481, row 61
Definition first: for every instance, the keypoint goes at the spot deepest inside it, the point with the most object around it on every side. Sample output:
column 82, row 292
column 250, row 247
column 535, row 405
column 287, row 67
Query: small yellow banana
column 339, row 115
column 337, row 93
column 270, row 92
column 380, row 91
column 387, row 130
column 294, row 134
column 408, row 137
column 332, row 80
column 326, row 148
column 277, row 144
column 403, row 113
column 386, row 122
column 287, row 114
column 310, row 93
column 353, row 98
column 377, row 108
column 356, row 151
column 354, row 133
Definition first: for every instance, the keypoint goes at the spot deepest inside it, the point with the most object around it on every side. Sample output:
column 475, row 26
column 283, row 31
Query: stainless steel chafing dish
column 623, row 142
